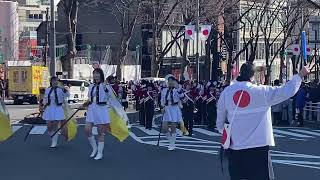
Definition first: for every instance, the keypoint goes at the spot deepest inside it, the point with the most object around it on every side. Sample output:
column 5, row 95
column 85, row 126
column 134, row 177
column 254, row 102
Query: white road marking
column 206, row 132
column 305, row 164
column 38, row 130
column 291, row 133
column 189, row 145
column 278, row 135
column 306, row 132
column 298, row 139
column 15, row 128
column 151, row 132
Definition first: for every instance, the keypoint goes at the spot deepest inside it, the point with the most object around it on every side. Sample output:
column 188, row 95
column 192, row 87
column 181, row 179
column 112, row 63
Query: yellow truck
column 25, row 83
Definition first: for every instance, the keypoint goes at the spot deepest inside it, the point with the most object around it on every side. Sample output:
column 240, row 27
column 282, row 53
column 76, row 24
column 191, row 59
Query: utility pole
column 52, row 41
column 197, row 41
column 45, row 54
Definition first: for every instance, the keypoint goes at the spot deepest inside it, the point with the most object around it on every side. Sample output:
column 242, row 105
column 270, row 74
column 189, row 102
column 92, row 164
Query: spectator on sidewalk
column 301, row 99
column 276, row 109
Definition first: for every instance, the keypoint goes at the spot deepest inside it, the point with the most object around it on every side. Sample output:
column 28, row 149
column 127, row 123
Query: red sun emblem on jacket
column 245, row 99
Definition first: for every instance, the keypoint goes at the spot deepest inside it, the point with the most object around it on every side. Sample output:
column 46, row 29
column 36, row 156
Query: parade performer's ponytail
column 247, row 71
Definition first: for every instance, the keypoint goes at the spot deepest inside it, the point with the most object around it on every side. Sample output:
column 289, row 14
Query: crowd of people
column 290, row 112
column 198, row 104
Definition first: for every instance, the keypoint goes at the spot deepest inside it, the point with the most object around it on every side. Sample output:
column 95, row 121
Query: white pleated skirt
column 172, row 114
column 53, row 113
column 98, row 114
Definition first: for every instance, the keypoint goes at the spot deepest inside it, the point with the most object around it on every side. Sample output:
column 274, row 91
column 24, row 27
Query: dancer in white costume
column 53, row 113
column 170, row 100
column 98, row 113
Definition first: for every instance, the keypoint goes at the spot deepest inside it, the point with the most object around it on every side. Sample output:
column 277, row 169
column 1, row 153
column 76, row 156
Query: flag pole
column 197, row 41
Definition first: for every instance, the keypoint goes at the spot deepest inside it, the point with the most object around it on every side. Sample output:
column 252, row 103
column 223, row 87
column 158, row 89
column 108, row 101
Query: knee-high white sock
column 174, row 136
column 172, row 141
column 100, row 151
column 93, row 144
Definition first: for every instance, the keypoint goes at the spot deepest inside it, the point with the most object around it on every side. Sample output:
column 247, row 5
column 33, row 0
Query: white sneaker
column 54, row 141
column 94, row 152
column 93, row 145
column 100, row 151
column 171, row 148
column 98, row 157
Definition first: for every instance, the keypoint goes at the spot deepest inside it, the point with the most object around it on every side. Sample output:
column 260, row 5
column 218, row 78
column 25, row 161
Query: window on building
column 40, row 16
column 31, row 16
column 36, row 16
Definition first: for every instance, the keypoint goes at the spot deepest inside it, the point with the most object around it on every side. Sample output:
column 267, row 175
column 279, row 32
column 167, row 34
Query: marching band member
column 53, row 113
column 98, row 113
column 149, row 106
column 211, row 107
column 188, row 108
column 170, row 99
column 142, row 112
column 198, row 102
column 123, row 96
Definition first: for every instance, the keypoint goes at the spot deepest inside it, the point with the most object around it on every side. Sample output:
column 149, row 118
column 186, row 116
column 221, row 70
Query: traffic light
column 78, row 42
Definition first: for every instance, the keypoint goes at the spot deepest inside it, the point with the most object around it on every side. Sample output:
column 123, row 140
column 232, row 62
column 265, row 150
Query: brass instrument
column 195, row 110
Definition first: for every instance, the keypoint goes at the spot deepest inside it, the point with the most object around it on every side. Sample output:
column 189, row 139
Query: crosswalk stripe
column 185, row 141
column 206, row 132
column 306, row 132
column 151, row 132
column 291, row 133
column 317, row 130
column 190, row 145
column 38, row 130
column 277, row 135
column 15, row 128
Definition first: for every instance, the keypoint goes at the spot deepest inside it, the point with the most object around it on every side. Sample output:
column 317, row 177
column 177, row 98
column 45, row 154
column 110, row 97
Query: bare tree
column 126, row 13
column 158, row 13
column 71, row 13
column 280, row 21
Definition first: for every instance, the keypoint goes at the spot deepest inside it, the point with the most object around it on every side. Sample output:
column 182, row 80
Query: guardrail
column 311, row 111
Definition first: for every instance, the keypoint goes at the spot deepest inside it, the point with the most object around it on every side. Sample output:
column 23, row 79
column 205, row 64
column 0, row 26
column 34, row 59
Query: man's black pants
column 249, row 164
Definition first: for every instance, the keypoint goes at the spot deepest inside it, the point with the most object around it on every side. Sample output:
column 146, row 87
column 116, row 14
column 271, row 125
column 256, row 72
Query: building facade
column 9, row 31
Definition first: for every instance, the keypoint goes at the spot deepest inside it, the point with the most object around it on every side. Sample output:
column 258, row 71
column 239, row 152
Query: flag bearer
column 170, row 99
column 98, row 113
column 53, row 113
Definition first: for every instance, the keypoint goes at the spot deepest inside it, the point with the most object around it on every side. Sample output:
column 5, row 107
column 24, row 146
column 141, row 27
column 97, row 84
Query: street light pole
column 197, row 41
column 52, row 41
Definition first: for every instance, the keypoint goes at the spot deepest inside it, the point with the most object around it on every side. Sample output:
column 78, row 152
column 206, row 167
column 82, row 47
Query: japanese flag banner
column 190, row 32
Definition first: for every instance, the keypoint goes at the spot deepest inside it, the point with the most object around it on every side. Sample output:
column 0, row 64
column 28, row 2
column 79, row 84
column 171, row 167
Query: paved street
column 18, row 112
column 295, row 157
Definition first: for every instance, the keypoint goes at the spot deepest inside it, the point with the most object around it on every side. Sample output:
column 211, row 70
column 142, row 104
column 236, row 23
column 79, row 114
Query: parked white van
column 78, row 89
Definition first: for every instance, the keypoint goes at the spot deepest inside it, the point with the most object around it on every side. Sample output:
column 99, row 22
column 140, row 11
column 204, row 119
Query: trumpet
column 157, row 109
column 195, row 110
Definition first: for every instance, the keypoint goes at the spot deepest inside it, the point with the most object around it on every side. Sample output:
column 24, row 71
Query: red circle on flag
column 205, row 32
column 245, row 100
column 296, row 49
column 308, row 49
column 189, row 32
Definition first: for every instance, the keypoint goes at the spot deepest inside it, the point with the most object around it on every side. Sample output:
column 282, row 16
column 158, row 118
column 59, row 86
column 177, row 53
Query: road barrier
column 312, row 111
